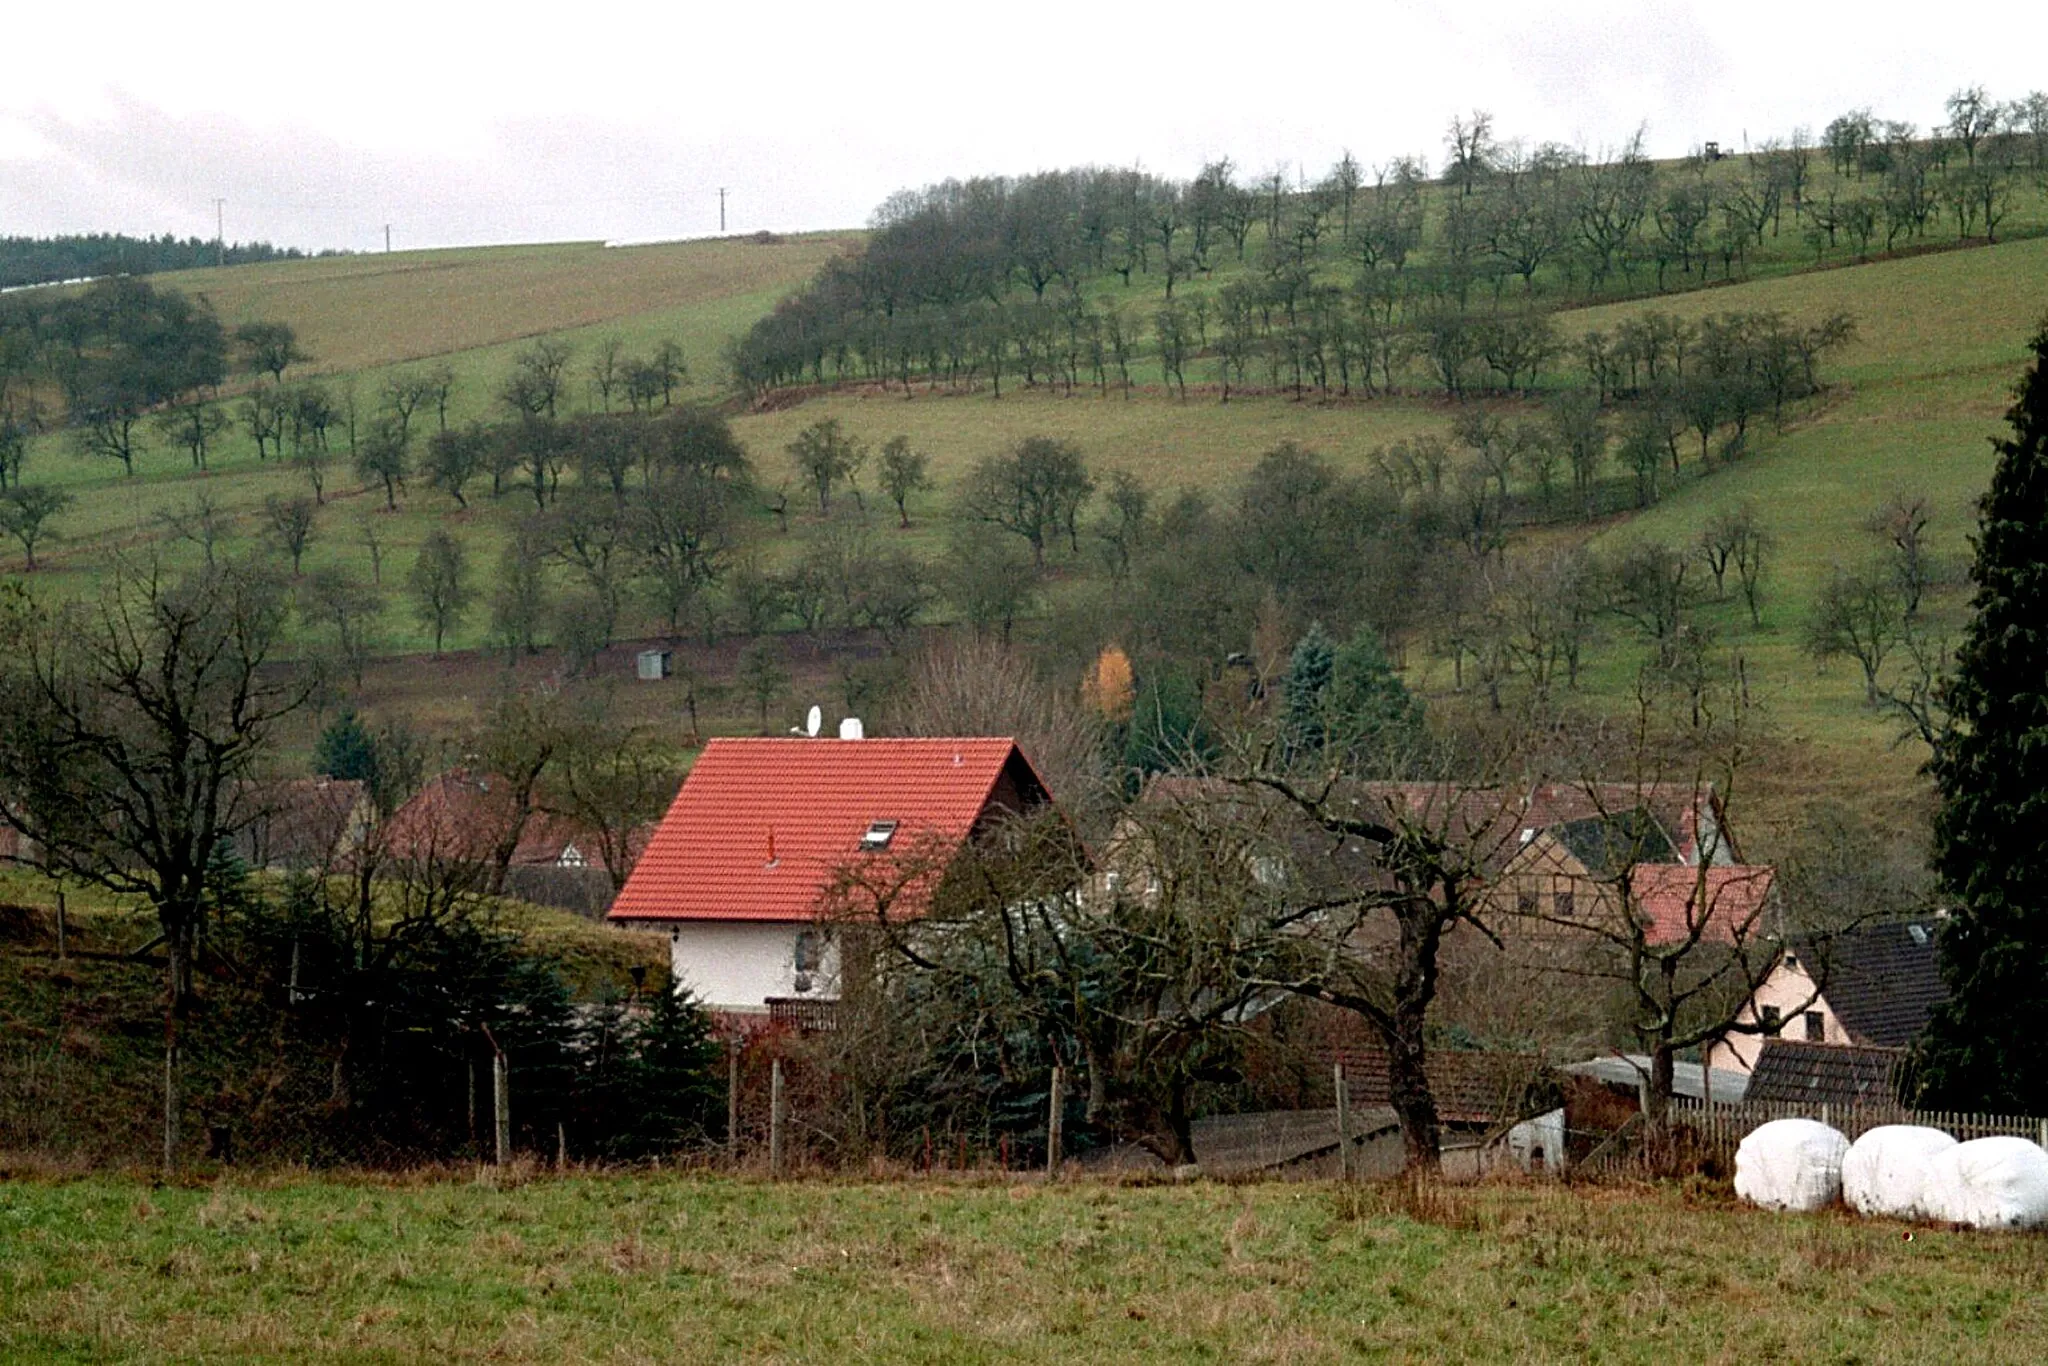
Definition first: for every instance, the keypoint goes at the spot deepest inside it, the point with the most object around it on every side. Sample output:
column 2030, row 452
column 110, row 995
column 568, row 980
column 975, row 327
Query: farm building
column 738, row 869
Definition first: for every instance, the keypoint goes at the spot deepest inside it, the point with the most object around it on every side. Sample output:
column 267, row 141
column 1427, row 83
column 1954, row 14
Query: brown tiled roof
column 1470, row 1087
column 300, row 822
column 1795, row 1072
column 762, row 827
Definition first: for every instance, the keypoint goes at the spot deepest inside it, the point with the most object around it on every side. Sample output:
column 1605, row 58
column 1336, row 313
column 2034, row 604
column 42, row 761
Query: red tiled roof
column 1725, row 907
column 461, row 815
column 811, row 801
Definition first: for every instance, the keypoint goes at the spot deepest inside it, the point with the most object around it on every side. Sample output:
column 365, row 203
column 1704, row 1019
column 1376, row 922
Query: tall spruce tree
column 1984, row 1050
column 1310, row 670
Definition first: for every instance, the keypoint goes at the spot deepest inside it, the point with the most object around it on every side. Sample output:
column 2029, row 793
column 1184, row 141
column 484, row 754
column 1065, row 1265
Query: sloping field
column 1918, row 397
column 362, row 312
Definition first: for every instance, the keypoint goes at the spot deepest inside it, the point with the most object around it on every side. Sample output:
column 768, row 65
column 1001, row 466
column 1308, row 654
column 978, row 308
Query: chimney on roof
column 850, row 729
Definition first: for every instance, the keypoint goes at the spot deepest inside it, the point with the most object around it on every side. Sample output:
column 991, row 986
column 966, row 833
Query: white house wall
column 1791, row 991
column 738, row 965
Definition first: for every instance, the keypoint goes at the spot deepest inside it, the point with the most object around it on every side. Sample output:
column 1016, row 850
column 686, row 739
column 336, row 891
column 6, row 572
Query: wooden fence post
column 1343, row 1124
column 732, row 1101
column 775, row 1119
column 170, row 1094
column 501, row 1103
column 1055, row 1122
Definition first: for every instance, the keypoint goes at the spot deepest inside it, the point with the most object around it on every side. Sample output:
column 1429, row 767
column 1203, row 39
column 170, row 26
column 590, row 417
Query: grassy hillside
column 708, row 1269
column 356, row 313
column 1919, row 396
column 1911, row 404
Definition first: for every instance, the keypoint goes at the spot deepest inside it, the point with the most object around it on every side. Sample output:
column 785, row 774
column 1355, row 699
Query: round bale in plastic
column 1791, row 1164
column 1885, row 1171
column 1988, row 1183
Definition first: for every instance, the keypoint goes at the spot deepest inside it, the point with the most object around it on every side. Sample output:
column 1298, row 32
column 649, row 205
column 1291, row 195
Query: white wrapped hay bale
column 1988, row 1183
column 1885, row 1171
column 1791, row 1164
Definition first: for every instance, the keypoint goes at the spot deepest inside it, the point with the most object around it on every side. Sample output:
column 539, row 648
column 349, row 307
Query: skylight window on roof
column 878, row 835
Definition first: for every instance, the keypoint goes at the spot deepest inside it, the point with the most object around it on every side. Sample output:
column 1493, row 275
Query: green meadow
column 702, row 1268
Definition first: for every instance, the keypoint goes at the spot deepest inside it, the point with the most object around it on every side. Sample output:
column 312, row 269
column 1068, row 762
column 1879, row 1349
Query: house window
column 878, row 835
column 1526, row 903
column 1816, row 1027
column 1564, row 904
column 1773, row 1018
column 809, row 952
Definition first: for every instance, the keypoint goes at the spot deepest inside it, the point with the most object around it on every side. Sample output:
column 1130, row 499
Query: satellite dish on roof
column 815, row 719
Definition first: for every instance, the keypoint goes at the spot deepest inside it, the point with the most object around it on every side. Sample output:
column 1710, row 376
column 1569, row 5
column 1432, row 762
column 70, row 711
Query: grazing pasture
column 715, row 1269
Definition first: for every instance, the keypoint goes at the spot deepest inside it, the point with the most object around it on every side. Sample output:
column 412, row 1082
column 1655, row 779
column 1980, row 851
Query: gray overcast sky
column 510, row 122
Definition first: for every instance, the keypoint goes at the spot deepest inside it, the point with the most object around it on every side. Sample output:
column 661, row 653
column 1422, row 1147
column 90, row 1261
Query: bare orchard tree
column 981, row 687
column 1683, row 931
column 1860, row 615
column 607, row 778
column 1368, row 880
column 289, row 522
column 1015, row 945
column 203, row 522
column 133, row 727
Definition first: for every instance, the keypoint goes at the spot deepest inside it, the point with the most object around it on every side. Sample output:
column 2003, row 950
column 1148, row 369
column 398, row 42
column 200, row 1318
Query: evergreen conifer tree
column 346, row 749
column 1345, row 704
column 674, row 1083
column 1380, row 720
column 1310, row 671
column 1166, row 729
column 1986, row 1049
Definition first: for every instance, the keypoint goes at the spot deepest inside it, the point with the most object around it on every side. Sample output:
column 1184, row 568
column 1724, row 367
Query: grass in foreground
column 711, row 1269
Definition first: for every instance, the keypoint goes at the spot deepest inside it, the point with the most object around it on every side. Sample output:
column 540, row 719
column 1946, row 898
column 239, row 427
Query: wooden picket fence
column 1724, row 1126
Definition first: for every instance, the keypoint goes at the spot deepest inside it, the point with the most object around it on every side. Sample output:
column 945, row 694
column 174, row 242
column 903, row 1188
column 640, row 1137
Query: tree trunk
column 1409, row 1094
column 1657, row 1093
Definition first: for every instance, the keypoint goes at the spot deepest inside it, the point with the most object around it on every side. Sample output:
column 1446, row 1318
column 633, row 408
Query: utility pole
column 387, row 239
column 220, row 233
column 721, row 210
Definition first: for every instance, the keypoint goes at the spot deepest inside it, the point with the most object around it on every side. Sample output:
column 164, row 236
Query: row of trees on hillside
column 1342, row 283
column 78, row 256
column 112, row 360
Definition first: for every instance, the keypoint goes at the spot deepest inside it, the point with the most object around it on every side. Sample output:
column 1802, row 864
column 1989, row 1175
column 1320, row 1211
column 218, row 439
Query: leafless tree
column 982, row 687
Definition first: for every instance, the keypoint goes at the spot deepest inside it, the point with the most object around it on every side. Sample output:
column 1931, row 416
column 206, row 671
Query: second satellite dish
column 813, row 721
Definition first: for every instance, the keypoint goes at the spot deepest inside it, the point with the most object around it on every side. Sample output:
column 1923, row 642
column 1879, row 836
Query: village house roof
column 1605, row 845
column 763, row 826
column 1796, row 1072
column 1883, row 981
column 1723, row 903
column 1470, row 1086
column 301, row 822
column 460, row 816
